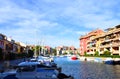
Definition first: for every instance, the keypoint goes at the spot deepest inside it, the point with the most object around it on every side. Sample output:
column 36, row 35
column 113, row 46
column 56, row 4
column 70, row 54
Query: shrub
column 106, row 53
column 85, row 53
column 71, row 53
column 96, row 53
column 65, row 53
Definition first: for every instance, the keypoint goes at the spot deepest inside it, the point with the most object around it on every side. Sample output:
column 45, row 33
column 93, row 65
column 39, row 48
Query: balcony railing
column 115, row 44
column 91, row 52
column 116, row 52
column 102, row 52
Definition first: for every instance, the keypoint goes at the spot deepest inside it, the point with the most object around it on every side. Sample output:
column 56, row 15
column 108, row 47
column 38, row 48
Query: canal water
column 88, row 70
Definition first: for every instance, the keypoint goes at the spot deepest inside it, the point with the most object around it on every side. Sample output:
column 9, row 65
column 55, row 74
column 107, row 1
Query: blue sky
column 56, row 22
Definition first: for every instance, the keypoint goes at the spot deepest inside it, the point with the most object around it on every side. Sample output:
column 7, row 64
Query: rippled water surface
column 88, row 70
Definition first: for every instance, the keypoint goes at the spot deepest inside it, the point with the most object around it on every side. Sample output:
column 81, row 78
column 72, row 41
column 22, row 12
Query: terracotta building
column 85, row 40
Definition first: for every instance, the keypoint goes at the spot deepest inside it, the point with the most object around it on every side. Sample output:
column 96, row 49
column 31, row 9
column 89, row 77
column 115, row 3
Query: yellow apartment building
column 110, row 41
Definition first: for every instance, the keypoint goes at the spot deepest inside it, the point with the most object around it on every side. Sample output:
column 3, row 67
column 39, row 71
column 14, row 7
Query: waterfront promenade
column 94, row 58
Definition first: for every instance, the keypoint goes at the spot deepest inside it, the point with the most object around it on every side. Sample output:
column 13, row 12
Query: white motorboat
column 30, row 70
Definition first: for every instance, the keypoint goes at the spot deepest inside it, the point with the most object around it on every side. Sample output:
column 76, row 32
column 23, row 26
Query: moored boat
column 112, row 61
column 74, row 57
column 31, row 70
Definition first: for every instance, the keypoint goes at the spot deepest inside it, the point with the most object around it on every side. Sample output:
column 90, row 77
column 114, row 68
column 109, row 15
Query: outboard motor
column 62, row 76
column 10, row 77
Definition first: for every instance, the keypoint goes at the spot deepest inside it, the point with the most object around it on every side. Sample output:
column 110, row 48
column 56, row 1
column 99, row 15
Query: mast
column 35, row 53
column 39, row 47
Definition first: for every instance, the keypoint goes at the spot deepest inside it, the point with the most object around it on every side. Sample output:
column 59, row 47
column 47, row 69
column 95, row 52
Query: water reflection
column 89, row 70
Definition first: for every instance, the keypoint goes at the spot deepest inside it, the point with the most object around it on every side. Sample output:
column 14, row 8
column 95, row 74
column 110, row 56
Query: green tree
column 30, row 53
column 37, row 49
column 54, row 51
column 65, row 53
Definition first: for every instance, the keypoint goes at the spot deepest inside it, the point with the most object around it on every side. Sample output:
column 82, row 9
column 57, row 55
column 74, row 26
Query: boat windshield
column 26, row 68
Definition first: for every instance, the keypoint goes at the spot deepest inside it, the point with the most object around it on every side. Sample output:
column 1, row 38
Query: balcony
column 92, row 47
column 101, row 52
column 104, row 46
column 91, row 52
column 88, row 41
column 115, row 44
column 107, row 40
column 88, row 47
column 116, row 52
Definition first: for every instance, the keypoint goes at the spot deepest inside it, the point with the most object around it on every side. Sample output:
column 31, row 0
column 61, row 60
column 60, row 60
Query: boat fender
column 54, row 76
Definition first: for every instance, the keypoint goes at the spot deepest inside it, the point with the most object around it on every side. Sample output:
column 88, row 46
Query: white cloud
column 82, row 32
column 46, row 19
column 92, row 14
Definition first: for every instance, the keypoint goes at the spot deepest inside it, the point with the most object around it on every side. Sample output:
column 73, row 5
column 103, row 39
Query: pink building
column 83, row 45
column 48, row 48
